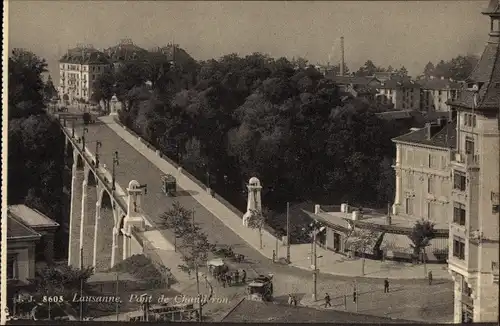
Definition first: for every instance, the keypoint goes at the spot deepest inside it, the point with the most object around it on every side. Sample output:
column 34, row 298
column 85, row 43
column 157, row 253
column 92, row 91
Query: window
column 459, row 213
column 430, row 185
column 469, row 145
column 409, row 206
column 474, row 120
column 458, row 248
column 431, row 161
column 12, row 267
column 410, row 178
column 459, row 180
column 429, row 210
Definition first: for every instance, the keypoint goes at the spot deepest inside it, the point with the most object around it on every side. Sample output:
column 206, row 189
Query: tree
column 368, row 69
column 49, row 90
column 257, row 221
column 362, row 240
column 104, row 88
column 421, row 235
column 25, row 93
column 429, row 69
column 196, row 251
column 63, row 280
column 403, row 72
column 178, row 219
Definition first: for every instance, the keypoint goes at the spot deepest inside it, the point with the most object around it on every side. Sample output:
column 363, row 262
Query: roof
column 265, row 312
column 399, row 83
column 444, row 137
column 438, row 84
column 486, row 74
column 355, row 80
column 396, row 115
column 80, row 55
column 493, row 8
column 17, row 230
column 125, row 50
column 31, row 217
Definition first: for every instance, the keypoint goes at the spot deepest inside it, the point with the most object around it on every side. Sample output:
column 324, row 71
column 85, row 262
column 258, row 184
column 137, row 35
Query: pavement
column 223, row 226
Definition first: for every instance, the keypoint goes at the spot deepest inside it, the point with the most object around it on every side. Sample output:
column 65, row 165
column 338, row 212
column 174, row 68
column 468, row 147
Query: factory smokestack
column 342, row 69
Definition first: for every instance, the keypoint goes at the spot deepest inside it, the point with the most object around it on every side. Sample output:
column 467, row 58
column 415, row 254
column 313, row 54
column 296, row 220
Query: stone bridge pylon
column 101, row 220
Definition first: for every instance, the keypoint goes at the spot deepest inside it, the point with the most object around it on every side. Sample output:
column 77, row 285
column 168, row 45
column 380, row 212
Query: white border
column 3, row 254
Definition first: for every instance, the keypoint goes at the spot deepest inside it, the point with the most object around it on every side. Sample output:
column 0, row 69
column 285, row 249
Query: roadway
column 426, row 303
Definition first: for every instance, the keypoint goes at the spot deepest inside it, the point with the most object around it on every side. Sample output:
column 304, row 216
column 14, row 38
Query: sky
column 387, row 32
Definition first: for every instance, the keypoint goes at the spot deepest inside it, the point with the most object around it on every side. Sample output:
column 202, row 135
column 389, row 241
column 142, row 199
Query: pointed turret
column 481, row 91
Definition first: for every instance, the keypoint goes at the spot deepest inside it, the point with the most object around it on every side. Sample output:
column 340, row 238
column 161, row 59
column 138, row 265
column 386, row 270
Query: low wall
column 272, row 232
column 147, row 249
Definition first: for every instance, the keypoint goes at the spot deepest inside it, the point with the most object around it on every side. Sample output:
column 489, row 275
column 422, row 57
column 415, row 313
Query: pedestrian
column 243, row 276
column 386, row 286
column 224, row 280
column 327, row 301
column 430, row 277
column 229, row 279
column 236, row 276
column 294, row 299
column 274, row 256
column 290, row 299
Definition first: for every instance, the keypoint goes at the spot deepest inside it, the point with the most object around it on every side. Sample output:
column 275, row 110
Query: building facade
column 474, row 213
column 436, row 92
column 78, row 70
column 404, row 94
column 423, row 182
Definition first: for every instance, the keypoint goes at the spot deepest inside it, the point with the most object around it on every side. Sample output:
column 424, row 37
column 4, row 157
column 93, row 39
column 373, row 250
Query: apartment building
column 423, row 182
column 474, row 213
column 436, row 92
column 404, row 94
column 78, row 69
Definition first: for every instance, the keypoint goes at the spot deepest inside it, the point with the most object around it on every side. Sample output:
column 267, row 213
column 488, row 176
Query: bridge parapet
column 126, row 211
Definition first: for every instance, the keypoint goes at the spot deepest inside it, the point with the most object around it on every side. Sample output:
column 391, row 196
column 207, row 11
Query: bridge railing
column 104, row 181
column 231, row 207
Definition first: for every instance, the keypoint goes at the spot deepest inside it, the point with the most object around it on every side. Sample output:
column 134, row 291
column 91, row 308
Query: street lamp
column 115, row 163
column 98, row 145
column 85, row 130
column 315, row 259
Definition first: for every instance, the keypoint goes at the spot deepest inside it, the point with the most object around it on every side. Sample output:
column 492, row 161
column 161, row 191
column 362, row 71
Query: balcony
column 494, row 268
column 465, row 160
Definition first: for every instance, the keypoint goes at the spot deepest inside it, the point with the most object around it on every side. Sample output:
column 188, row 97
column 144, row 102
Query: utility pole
column 116, row 295
column 98, row 145
column 73, row 128
column 85, row 130
column 81, row 285
column 288, row 232
column 315, row 271
column 113, row 172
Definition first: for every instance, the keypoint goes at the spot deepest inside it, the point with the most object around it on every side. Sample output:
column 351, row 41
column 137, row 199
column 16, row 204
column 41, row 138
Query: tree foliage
column 458, row 68
column 25, row 92
column 278, row 120
column 421, row 235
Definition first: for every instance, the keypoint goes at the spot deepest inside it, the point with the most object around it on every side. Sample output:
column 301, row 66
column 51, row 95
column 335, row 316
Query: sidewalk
column 330, row 263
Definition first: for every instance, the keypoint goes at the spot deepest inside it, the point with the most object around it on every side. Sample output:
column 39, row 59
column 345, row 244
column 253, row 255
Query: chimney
column 428, row 131
column 342, row 68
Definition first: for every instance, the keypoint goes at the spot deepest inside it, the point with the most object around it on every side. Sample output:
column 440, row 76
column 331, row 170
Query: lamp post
column 98, row 145
column 288, row 232
column 85, row 130
column 115, row 163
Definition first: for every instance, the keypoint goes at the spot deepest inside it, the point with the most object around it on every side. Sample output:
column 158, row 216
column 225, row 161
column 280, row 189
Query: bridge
column 104, row 214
